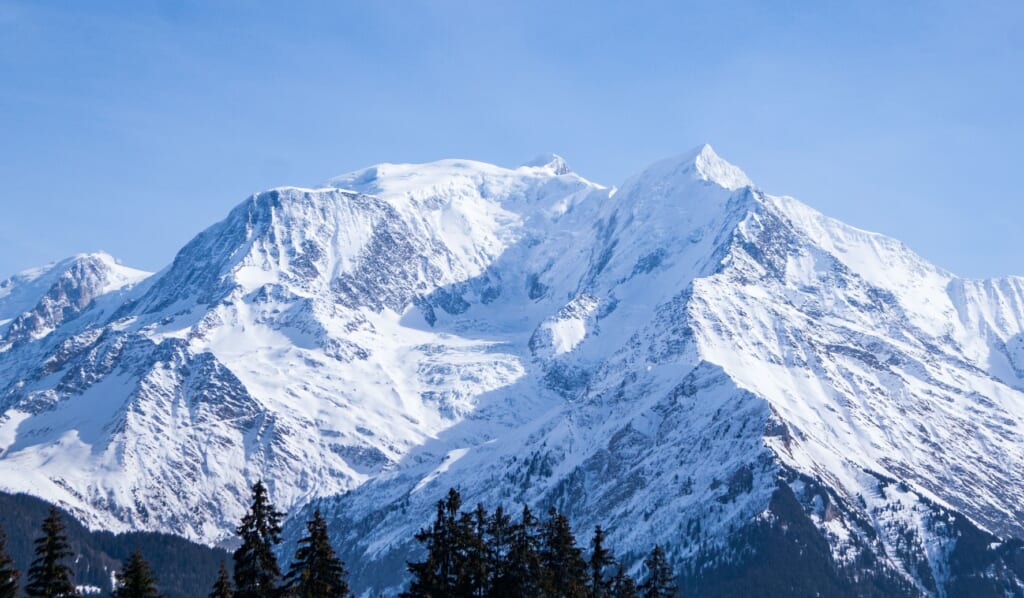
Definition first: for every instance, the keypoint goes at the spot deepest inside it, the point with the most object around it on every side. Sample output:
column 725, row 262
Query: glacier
column 684, row 359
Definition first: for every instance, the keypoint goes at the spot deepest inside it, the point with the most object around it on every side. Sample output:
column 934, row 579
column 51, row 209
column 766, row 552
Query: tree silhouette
column 316, row 571
column 521, row 573
column 437, row 574
column 222, row 587
column 600, row 559
column 49, row 577
column 256, row 570
column 660, row 582
column 622, row 585
column 8, row 574
column 136, row 579
column 564, row 570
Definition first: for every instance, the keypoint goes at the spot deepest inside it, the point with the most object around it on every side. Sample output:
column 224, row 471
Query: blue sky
column 131, row 126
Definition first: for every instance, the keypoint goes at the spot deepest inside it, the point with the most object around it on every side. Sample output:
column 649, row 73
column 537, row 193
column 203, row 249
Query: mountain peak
column 704, row 164
column 713, row 169
column 550, row 161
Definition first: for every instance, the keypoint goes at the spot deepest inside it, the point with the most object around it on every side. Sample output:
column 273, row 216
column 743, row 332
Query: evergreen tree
column 438, row 574
column 49, row 577
column 222, row 587
column 473, row 575
column 520, row 575
column 316, row 572
column 623, row 585
column 498, row 535
column 136, row 579
column 600, row 559
column 564, row 570
column 8, row 574
column 660, row 581
column 256, row 570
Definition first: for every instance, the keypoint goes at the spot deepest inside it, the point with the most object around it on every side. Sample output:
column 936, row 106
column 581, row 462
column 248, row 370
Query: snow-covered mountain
column 686, row 360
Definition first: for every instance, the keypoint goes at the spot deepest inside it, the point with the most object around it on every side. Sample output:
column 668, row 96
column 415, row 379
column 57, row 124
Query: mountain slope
column 686, row 359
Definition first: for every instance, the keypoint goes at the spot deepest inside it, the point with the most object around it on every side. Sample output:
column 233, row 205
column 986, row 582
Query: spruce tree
column 623, row 586
column 256, row 570
column 136, row 579
column 8, row 574
column 564, row 570
column 222, row 587
column 520, row 575
column 49, row 577
column 473, row 575
column 316, row 572
column 600, row 559
column 437, row 575
column 498, row 535
column 660, row 582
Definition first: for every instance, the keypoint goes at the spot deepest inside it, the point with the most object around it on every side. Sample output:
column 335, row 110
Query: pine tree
column 316, row 572
column 256, row 570
column 660, row 581
column 222, row 587
column 49, row 577
column 136, row 579
column 498, row 537
column 600, row 559
column 520, row 575
column 623, row 585
column 437, row 575
column 8, row 574
column 473, row 575
column 564, row 570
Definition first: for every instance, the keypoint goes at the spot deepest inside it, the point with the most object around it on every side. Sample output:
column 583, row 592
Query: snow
column 525, row 335
column 446, row 463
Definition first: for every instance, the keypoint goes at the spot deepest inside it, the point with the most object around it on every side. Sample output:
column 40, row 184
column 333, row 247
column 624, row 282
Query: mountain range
column 685, row 359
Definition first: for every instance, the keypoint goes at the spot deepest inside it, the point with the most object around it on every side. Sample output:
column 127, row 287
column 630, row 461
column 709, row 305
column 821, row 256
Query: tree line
column 476, row 554
column 469, row 554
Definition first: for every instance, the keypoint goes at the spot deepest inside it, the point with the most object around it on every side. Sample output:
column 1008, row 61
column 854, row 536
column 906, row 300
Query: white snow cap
column 552, row 162
column 703, row 162
column 716, row 170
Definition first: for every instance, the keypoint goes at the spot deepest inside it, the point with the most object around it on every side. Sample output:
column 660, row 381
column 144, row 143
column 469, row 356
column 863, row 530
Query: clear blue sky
column 130, row 126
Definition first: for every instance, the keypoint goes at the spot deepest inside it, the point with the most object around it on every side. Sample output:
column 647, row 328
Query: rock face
column 685, row 360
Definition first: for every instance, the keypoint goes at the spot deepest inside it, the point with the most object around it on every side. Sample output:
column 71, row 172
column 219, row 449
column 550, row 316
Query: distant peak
column 703, row 164
column 713, row 169
column 95, row 256
column 552, row 162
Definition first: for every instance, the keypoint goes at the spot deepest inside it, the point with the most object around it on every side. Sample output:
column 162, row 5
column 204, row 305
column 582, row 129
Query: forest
column 467, row 553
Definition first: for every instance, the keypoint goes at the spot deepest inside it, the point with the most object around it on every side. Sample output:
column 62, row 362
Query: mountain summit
column 685, row 360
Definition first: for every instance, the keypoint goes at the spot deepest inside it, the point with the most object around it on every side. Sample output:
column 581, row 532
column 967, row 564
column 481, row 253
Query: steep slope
column 686, row 360
column 720, row 342
column 292, row 315
column 35, row 302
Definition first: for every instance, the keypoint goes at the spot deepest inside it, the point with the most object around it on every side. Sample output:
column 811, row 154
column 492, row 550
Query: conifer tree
column 136, row 579
column 49, row 577
column 316, row 571
column 8, row 574
column 660, row 582
column 600, row 559
column 222, row 587
column 564, row 570
column 623, row 586
column 437, row 575
column 256, row 570
column 520, row 575
column 498, row 535
column 473, row 575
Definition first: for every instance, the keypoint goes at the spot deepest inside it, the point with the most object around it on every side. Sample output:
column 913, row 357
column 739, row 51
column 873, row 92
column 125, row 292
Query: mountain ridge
column 685, row 341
